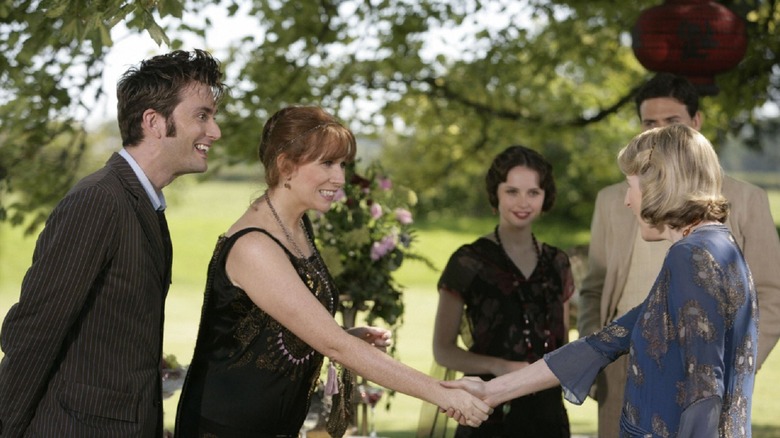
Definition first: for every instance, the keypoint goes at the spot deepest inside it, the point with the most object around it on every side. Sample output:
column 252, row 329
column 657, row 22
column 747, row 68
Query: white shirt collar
column 157, row 198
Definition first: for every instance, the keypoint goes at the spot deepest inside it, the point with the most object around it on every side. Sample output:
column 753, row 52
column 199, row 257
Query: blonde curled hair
column 679, row 176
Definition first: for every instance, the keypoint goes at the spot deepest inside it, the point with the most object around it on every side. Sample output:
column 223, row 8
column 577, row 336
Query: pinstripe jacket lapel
column 147, row 217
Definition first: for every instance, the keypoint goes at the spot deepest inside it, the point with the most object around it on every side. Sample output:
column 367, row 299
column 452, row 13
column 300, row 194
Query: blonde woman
column 512, row 291
column 691, row 344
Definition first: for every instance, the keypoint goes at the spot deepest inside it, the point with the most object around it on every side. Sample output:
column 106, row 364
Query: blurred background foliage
column 433, row 88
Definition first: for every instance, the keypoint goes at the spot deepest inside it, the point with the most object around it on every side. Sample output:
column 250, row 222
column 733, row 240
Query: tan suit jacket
column 613, row 232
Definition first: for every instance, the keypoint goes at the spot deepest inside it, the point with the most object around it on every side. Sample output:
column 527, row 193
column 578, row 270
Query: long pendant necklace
column 318, row 270
column 331, row 384
column 547, row 336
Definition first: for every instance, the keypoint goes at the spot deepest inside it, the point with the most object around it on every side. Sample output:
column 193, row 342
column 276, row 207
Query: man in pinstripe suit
column 83, row 345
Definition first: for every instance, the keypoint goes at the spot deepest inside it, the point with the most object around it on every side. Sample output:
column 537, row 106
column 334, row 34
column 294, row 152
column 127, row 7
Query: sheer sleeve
column 700, row 420
column 577, row 364
column 460, row 271
column 563, row 267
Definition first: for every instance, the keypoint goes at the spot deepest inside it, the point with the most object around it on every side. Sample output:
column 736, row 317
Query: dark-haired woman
column 511, row 291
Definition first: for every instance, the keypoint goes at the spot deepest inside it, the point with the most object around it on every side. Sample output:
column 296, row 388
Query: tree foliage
column 51, row 59
column 558, row 76
column 442, row 85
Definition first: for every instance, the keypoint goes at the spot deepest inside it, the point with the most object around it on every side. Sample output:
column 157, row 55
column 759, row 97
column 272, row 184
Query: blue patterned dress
column 691, row 346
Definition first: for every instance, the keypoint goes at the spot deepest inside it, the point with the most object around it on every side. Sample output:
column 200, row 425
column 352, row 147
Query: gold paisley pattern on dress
column 700, row 382
column 725, row 287
column 734, row 270
column 753, row 296
column 744, row 362
column 734, row 415
column 635, row 374
column 631, row 412
column 655, row 323
column 659, row 427
column 694, row 323
column 612, row 332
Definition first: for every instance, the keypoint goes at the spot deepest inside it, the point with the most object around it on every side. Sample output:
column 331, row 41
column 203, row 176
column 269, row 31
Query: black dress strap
column 233, row 238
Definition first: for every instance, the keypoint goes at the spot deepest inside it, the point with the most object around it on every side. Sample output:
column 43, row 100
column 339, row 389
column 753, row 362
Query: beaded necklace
column 503, row 250
column 319, row 268
column 547, row 337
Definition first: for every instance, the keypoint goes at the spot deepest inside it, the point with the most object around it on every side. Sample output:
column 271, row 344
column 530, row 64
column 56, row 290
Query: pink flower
column 385, row 183
column 382, row 248
column 404, row 216
column 375, row 210
column 339, row 195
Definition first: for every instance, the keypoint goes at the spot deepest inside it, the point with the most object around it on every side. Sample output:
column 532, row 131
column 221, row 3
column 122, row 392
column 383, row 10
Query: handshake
column 476, row 406
column 471, row 399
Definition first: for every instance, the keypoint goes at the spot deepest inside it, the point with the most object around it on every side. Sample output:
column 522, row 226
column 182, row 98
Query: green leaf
column 157, row 33
column 57, row 9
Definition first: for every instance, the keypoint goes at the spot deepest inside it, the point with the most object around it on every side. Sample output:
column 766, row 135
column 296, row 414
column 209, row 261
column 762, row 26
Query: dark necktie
column 167, row 246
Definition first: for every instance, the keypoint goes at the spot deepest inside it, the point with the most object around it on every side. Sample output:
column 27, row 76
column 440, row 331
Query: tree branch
column 442, row 90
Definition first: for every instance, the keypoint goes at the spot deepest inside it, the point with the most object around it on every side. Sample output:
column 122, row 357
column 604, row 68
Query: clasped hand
column 473, row 385
column 480, row 410
column 465, row 408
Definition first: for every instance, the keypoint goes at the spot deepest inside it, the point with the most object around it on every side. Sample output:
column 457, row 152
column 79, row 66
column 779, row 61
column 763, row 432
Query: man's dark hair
column 669, row 85
column 157, row 83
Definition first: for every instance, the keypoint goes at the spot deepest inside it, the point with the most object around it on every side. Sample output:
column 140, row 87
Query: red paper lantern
column 697, row 39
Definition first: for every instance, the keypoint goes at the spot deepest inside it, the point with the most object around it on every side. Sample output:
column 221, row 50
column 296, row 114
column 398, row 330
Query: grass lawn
column 199, row 212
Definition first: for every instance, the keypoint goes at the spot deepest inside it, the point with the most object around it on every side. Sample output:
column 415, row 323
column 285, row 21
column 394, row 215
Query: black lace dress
column 249, row 376
column 515, row 318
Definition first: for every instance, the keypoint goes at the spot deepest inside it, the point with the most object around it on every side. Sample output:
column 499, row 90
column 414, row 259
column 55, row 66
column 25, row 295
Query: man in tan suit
column 622, row 266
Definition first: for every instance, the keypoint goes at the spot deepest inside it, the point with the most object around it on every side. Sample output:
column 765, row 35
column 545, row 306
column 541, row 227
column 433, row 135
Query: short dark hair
column 302, row 134
column 669, row 85
column 157, row 83
column 512, row 157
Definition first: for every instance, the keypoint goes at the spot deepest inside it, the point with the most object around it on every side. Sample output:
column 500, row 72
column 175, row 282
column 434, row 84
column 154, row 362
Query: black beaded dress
column 516, row 318
column 249, row 376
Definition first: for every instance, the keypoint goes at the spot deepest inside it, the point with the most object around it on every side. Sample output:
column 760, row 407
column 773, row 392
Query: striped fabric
column 83, row 345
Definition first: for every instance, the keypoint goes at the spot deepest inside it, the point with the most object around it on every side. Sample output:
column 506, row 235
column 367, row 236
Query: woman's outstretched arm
column 533, row 378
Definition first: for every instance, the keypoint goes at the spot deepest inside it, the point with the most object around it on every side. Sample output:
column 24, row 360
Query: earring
column 287, row 184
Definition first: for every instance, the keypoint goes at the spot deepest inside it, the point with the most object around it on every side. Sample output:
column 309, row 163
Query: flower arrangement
column 366, row 236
